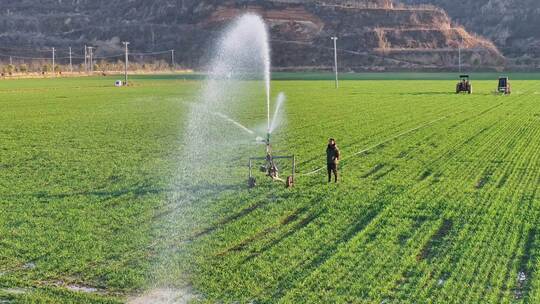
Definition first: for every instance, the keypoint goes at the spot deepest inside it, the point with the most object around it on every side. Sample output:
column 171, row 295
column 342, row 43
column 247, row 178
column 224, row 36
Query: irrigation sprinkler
column 270, row 168
column 242, row 52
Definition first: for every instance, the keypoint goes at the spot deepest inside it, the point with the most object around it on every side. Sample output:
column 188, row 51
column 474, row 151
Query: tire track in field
column 420, row 234
column 473, row 138
column 292, row 218
column 379, row 131
column 484, row 113
column 312, row 252
column 221, row 223
column 414, row 231
column 473, row 170
column 429, row 249
column 518, row 128
column 379, row 206
column 520, row 211
column 465, row 183
column 459, row 144
column 455, row 228
column 173, row 242
column 286, row 218
column 502, row 235
column 508, row 138
column 532, row 252
column 427, row 253
column 417, row 226
column 384, row 142
column 328, row 252
column 428, row 171
column 525, row 238
column 426, row 246
column 389, row 115
column 405, row 133
column 297, row 227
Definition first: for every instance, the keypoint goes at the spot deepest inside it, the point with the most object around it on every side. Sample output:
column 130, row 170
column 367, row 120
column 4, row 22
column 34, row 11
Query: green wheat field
column 439, row 200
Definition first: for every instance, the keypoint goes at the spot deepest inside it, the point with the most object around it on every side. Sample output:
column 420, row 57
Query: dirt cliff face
column 374, row 34
column 512, row 24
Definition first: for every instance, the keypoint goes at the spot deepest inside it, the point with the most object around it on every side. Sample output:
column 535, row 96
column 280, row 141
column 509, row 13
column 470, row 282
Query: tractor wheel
column 470, row 89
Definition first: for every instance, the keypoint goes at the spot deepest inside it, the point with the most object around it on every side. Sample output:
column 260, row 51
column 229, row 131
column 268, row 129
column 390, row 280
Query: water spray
column 242, row 55
column 270, row 168
column 234, row 122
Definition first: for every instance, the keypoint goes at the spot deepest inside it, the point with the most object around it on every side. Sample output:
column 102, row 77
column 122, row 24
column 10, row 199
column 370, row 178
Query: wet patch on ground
column 165, row 296
column 15, row 291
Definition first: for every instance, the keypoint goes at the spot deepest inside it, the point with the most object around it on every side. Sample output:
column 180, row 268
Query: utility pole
column 91, row 50
column 85, row 59
column 53, row 62
column 459, row 58
column 459, row 54
column 335, row 61
column 70, row 61
column 173, row 63
column 126, row 63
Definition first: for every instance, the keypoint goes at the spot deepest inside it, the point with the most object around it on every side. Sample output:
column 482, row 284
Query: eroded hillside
column 512, row 24
column 374, row 34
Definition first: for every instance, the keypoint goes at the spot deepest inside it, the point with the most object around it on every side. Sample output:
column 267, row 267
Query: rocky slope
column 512, row 24
column 374, row 34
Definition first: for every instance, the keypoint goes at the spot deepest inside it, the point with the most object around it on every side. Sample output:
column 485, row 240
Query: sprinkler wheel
column 290, row 182
column 252, row 183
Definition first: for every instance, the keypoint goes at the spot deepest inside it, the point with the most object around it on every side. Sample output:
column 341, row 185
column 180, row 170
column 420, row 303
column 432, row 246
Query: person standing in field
column 332, row 159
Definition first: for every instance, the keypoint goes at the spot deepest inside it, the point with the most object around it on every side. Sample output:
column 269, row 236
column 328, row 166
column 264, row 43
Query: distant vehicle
column 464, row 84
column 504, row 85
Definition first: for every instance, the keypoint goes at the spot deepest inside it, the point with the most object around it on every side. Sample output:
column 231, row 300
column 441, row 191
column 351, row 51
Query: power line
column 24, row 57
column 151, row 53
column 85, row 56
column 47, row 50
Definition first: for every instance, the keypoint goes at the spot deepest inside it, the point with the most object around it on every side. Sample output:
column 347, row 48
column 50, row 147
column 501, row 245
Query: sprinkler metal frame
column 270, row 167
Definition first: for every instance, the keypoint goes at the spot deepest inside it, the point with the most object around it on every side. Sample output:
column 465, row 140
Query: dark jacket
column 332, row 155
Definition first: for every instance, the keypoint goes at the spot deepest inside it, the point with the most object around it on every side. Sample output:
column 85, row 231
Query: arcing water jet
column 241, row 61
